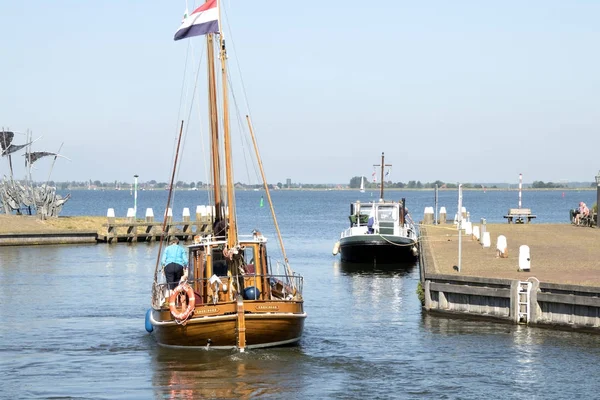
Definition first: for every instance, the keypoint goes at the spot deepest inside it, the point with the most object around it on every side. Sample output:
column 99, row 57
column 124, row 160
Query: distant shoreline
column 353, row 189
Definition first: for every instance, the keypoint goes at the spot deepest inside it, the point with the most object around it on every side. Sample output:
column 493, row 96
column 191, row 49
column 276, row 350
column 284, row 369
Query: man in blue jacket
column 175, row 263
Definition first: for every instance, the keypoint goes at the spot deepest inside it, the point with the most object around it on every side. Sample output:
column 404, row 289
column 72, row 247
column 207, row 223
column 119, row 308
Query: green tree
column 355, row 182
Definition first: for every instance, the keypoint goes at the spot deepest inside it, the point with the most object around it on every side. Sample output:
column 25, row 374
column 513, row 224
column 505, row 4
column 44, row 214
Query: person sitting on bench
column 582, row 211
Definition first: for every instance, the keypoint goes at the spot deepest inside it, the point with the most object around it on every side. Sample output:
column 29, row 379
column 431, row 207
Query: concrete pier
column 560, row 287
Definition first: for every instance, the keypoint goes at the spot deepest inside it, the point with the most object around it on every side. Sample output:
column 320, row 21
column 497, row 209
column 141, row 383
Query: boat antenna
column 164, row 225
column 382, row 165
column 264, row 179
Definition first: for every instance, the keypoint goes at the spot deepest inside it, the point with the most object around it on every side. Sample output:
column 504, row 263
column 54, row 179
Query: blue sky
column 462, row 91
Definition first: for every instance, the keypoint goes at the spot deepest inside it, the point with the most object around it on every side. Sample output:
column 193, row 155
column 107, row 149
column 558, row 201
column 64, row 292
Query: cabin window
column 250, row 260
column 249, row 255
column 387, row 214
column 219, row 263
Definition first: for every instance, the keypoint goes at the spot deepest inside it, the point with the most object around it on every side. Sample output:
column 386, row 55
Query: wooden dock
column 147, row 231
column 561, row 289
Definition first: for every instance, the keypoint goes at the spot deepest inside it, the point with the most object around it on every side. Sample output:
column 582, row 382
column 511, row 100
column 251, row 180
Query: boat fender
column 184, row 314
column 415, row 251
column 336, row 248
column 149, row 327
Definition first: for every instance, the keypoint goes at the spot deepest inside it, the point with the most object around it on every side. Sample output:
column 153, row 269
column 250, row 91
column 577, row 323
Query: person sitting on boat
column 175, row 263
column 583, row 210
column 370, row 223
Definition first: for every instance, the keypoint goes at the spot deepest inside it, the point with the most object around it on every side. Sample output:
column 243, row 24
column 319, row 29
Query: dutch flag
column 203, row 20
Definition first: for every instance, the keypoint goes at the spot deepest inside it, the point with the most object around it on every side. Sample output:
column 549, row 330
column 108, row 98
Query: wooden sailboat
column 234, row 297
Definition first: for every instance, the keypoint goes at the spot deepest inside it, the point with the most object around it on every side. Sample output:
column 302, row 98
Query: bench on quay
column 589, row 220
column 519, row 215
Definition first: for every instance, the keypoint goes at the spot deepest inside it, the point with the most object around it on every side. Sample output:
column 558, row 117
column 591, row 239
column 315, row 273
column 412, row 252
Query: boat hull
column 266, row 329
column 378, row 248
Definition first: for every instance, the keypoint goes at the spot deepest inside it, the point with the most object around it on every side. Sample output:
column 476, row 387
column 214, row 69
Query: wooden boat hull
column 263, row 329
column 378, row 248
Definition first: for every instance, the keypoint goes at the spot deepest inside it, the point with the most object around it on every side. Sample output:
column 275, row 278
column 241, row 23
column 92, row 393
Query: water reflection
column 395, row 269
column 192, row 374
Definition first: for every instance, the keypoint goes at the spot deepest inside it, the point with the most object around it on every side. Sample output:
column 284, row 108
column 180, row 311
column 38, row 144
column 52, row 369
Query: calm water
column 72, row 318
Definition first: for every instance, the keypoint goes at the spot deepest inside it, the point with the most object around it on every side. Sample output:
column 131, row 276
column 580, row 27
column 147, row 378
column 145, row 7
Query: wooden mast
column 214, row 127
column 232, row 238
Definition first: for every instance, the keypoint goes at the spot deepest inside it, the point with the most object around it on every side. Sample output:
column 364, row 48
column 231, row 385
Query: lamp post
column 459, row 220
column 135, row 179
column 598, row 199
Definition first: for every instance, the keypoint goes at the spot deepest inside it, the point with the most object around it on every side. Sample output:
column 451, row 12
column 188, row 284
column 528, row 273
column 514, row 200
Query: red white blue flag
column 203, row 20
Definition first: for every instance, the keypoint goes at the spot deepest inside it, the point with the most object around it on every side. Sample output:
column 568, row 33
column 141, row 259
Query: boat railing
column 223, row 289
column 354, row 230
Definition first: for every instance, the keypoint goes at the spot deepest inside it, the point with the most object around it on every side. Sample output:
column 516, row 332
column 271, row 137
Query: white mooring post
column 428, row 216
column 200, row 212
column 149, row 215
column 524, row 258
column 442, row 216
column 130, row 215
column 110, row 215
column 486, row 240
column 501, row 247
column 476, row 235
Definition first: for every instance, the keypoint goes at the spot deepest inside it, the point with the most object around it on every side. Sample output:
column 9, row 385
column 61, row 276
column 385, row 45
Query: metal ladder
column 524, row 301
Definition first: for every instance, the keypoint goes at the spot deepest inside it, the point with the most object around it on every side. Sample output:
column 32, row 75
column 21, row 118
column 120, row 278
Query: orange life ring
column 185, row 314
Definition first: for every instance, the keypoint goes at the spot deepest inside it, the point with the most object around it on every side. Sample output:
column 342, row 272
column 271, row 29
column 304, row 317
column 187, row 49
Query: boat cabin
column 384, row 214
column 217, row 276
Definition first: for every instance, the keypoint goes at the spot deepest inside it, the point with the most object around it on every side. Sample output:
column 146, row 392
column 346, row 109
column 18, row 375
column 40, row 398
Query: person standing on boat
column 175, row 263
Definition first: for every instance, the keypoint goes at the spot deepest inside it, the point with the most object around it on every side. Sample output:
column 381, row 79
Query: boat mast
column 232, row 239
column 214, row 127
column 382, row 167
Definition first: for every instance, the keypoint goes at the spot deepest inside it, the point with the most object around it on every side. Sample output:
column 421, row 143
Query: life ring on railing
column 185, row 314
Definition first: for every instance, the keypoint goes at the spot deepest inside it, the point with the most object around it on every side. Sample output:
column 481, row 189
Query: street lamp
column 597, row 199
column 135, row 196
